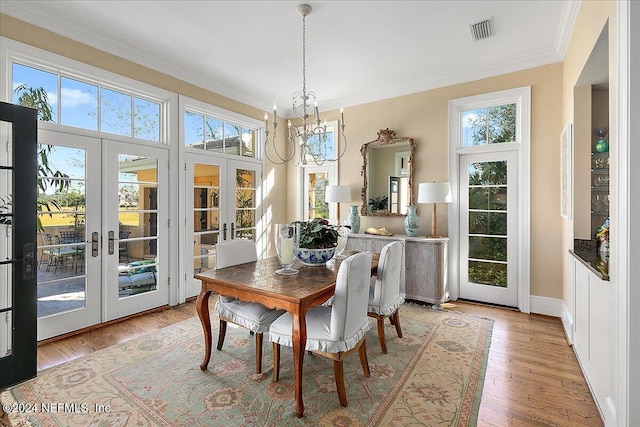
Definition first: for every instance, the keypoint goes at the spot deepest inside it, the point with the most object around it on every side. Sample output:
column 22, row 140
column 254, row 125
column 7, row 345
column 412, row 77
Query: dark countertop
column 593, row 260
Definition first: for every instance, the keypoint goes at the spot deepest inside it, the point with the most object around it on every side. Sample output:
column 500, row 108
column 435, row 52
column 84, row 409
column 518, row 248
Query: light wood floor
column 532, row 379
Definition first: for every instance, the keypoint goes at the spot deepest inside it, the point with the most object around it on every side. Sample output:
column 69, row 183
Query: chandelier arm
column 281, row 160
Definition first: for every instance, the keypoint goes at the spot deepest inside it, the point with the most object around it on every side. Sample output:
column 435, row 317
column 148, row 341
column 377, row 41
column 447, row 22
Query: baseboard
column 545, row 305
column 567, row 323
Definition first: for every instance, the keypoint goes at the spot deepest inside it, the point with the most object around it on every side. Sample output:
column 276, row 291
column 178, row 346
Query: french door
column 18, row 131
column 489, row 227
column 223, row 202
column 103, row 231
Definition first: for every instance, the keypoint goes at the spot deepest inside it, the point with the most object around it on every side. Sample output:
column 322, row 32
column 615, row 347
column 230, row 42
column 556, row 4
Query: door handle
column 111, row 245
column 224, row 231
column 233, row 230
column 28, row 261
column 94, row 244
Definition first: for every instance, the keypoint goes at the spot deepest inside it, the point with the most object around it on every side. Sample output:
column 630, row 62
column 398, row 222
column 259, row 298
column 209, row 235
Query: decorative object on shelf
column 317, row 241
column 412, row 222
column 311, row 137
column 602, row 237
column 434, row 192
column 337, row 194
column 378, row 231
column 602, row 146
column 286, row 247
column 353, row 220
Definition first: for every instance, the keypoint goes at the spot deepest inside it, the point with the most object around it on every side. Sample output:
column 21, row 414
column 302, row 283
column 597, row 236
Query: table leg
column 299, row 335
column 202, row 307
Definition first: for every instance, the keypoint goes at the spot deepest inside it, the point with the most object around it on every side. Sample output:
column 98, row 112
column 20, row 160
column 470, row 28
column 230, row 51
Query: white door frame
column 522, row 98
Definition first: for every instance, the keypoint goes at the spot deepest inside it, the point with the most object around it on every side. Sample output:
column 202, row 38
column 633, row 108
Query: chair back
column 349, row 307
column 234, row 252
column 387, row 281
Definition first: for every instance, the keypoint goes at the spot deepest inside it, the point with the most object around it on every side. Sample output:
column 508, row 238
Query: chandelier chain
column 311, row 138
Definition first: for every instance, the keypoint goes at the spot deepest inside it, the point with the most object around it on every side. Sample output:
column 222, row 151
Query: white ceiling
column 357, row 51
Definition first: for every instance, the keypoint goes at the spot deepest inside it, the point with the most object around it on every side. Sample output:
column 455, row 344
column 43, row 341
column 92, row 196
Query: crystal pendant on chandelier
column 312, row 137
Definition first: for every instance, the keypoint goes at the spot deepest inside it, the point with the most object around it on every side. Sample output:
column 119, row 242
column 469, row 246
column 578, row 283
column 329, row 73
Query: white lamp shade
column 434, row 192
column 337, row 194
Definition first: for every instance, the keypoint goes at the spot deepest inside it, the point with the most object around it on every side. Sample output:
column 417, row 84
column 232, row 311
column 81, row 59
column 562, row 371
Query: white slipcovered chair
column 384, row 293
column 253, row 316
column 335, row 331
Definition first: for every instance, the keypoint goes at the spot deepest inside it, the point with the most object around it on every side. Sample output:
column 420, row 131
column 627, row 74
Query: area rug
column 433, row 376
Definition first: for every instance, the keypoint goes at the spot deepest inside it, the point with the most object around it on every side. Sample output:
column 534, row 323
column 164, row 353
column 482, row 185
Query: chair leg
column 276, row 362
column 396, row 322
column 258, row 353
column 364, row 361
column 222, row 331
column 338, row 372
column 381, row 338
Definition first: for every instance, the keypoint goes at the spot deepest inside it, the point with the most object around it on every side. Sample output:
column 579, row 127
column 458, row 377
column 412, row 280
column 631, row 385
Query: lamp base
column 433, row 236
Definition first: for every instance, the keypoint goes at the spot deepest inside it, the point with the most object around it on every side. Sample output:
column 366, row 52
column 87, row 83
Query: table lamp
column 434, row 192
column 337, row 194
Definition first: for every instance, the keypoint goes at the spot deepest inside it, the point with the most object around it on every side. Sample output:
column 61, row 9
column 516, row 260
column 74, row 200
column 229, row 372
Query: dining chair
column 336, row 331
column 384, row 292
column 253, row 316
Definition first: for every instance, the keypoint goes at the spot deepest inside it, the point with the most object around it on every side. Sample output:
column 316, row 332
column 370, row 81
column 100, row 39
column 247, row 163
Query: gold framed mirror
column 387, row 171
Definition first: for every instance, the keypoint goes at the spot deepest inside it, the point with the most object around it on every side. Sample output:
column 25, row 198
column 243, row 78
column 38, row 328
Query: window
column 491, row 125
column 217, row 135
column 314, row 179
column 86, row 105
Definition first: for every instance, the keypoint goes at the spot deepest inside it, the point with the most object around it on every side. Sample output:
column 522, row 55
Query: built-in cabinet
column 424, row 276
column 593, row 342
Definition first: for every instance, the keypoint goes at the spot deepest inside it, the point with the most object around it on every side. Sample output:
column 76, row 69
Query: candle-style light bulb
column 289, row 123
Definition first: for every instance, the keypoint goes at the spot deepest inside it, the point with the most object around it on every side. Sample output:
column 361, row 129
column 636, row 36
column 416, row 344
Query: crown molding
column 60, row 25
column 567, row 22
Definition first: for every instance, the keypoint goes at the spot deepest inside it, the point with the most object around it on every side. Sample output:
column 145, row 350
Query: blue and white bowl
column 315, row 256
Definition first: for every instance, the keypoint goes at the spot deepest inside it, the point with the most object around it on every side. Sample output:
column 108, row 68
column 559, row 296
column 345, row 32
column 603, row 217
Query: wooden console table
column 424, row 277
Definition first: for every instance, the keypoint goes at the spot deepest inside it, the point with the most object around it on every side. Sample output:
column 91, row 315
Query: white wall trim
column 567, row 322
column 546, row 306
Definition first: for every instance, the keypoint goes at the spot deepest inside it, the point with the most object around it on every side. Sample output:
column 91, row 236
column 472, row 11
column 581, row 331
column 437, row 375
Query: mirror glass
column 388, row 175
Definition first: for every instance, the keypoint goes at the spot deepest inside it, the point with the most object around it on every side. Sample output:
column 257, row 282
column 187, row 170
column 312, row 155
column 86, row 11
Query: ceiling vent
column 482, row 30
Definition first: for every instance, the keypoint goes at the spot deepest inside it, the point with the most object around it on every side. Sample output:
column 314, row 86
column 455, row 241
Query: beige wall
column 422, row 116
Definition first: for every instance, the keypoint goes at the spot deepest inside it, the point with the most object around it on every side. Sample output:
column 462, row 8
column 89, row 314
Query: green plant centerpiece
column 318, row 241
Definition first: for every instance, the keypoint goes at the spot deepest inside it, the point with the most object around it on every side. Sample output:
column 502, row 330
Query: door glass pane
column 206, row 215
column 488, row 223
column 245, row 217
column 78, row 104
column 316, row 184
column 138, row 224
column 248, row 142
column 61, row 235
column 6, row 246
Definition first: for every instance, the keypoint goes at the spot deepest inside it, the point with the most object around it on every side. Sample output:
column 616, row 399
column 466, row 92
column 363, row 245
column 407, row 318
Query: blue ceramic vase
column 411, row 222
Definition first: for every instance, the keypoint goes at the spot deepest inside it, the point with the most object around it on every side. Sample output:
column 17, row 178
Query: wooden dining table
column 258, row 282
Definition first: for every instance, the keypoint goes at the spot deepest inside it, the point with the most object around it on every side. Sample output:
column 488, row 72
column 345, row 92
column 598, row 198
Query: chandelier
column 311, row 139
